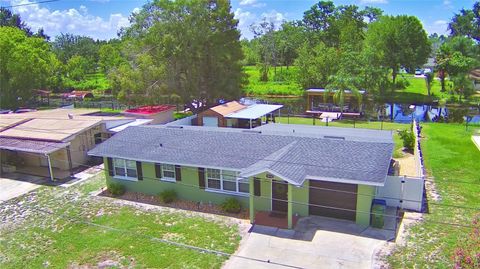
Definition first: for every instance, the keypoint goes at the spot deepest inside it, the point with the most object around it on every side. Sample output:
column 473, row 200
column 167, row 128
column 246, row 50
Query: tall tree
column 316, row 65
column 26, row 63
column 197, row 42
column 428, row 81
column 8, row 18
column 466, row 23
column 266, row 46
column 400, row 41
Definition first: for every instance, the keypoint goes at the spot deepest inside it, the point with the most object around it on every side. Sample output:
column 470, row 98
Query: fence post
column 313, row 118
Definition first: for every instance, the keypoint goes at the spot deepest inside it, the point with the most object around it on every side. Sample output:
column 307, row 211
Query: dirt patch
column 107, row 260
column 407, row 165
column 179, row 204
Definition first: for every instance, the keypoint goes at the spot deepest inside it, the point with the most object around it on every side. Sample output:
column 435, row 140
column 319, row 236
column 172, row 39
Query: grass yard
column 34, row 239
column 285, row 84
column 398, row 153
column 452, row 158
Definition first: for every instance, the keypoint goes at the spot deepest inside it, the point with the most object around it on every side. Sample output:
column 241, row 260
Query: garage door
column 331, row 199
column 210, row 121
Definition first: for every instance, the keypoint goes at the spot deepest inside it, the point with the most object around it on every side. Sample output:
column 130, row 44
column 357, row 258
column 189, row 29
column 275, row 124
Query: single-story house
column 475, row 77
column 236, row 115
column 159, row 114
column 53, row 142
column 295, row 170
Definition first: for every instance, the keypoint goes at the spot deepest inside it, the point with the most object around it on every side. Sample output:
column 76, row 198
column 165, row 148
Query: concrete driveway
column 13, row 185
column 316, row 242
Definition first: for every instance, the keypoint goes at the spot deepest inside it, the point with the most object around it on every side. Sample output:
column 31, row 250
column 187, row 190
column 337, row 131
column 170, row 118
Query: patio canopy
column 32, row 146
column 254, row 111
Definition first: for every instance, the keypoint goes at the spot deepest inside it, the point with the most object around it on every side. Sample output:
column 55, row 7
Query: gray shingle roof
column 293, row 157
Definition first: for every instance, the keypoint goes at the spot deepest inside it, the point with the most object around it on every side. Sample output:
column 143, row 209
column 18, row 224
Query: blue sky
column 103, row 18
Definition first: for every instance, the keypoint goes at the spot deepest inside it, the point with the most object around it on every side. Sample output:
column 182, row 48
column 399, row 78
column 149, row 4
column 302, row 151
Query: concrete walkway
column 476, row 140
column 14, row 185
column 316, row 242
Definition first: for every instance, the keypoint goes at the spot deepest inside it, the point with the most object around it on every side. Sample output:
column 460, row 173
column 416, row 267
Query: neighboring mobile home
column 290, row 169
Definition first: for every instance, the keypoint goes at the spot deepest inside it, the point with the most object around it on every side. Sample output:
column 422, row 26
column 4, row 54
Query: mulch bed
column 178, row 204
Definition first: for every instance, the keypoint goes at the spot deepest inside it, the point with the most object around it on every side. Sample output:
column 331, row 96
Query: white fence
column 417, row 150
column 403, row 192
column 182, row 122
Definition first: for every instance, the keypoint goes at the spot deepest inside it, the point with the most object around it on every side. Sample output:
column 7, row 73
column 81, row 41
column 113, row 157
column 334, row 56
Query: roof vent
column 175, row 126
column 334, row 137
column 252, row 131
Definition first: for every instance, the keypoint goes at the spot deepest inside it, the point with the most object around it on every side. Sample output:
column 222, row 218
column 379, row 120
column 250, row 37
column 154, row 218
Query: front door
column 279, row 196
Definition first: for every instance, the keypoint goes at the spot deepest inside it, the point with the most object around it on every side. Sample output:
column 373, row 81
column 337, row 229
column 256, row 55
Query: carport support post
column 251, row 206
column 50, row 170
column 290, row 207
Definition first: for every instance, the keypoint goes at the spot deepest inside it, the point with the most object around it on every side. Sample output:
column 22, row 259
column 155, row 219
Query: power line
column 31, row 3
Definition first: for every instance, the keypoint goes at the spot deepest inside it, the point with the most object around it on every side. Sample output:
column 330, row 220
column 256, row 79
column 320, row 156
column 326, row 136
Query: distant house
column 159, row 114
column 53, row 142
column 475, row 76
column 236, row 115
column 289, row 170
column 321, row 101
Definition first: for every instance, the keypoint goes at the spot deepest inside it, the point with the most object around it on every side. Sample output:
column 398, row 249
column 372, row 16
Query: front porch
column 274, row 219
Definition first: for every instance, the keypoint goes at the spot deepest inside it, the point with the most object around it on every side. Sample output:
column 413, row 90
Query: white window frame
column 221, row 178
column 124, row 167
column 169, row 179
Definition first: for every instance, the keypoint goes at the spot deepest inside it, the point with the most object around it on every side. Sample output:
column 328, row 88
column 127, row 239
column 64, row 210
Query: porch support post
column 290, row 206
column 250, row 123
column 50, row 169
column 251, row 200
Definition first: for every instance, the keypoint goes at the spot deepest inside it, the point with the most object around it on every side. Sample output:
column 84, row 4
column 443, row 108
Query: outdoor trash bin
column 378, row 213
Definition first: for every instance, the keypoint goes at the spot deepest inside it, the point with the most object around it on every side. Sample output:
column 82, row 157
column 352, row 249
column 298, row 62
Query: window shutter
column 158, row 170
column 201, row 177
column 256, row 187
column 178, row 173
column 110, row 166
column 139, row 171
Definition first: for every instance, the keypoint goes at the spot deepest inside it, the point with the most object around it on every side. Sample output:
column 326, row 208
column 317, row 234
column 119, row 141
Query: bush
column 408, row 139
column 231, row 205
column 168, row 196
column 116, row 189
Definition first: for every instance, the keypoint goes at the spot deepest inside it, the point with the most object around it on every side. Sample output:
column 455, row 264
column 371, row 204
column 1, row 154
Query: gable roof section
column 228, row 108
column 294, row 158
column 254, row 111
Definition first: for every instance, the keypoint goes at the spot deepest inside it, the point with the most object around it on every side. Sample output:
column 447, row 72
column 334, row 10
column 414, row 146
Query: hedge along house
column 288, row 169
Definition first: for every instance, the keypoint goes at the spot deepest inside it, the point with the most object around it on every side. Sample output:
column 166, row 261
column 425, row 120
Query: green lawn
column 357, row 124
column 284, row 84
column 54, row 241
column 452, row 158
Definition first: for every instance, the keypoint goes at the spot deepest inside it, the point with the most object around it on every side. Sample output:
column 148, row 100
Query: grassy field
column 32, row 238
column 398, row 153
column 452, row 158
column 285, row 84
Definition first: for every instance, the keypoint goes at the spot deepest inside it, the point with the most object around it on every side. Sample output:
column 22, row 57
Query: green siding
column 365, row 195
column 264, row 201
column 300, row 199
column 187, row 189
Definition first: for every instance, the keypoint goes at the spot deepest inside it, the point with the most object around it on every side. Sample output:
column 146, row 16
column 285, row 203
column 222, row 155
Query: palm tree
column 341, row 83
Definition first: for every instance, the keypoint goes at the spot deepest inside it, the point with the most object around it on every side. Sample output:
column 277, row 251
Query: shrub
column 408, row 139
column 231, row 205
column 116, row 189
column 168, row 196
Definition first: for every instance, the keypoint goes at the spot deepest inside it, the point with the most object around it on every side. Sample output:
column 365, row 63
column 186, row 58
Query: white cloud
column 276, row 17
column 439, row 26
column 374, row 1
column 245, row 19
column 448, row 3
column 74, row 21
column 252, row 3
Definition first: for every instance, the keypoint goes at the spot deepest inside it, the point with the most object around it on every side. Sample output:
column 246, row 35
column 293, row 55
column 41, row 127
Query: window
column 168, row 172
column 225, row 180
column 125, row 169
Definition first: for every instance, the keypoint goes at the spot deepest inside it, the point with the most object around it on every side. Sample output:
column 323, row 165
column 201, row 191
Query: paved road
column 11, row 186
column 336, row 244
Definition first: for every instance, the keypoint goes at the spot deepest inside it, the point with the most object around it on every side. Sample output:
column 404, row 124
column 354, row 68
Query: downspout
column 50, row 169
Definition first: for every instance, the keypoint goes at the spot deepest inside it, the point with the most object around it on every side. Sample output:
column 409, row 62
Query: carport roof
column 254, row 111
column 32, row 146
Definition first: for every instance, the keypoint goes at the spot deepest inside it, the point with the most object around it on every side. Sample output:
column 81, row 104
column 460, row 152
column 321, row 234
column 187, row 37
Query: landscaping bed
column 178, row 204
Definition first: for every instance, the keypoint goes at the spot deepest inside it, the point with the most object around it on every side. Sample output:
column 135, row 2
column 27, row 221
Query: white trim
column 126, row 178
column 348, row 181
column 244, row 194
column 167, row 179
